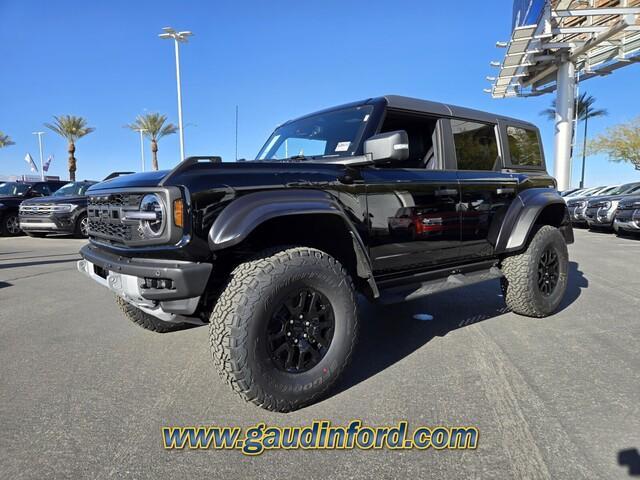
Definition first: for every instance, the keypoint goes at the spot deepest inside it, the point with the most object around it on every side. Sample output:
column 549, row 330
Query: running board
column 417, row 290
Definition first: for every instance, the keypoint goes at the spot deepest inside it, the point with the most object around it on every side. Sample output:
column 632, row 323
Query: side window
column 423, row 151
column 524, row 147
column 476, row 145
column 41, row 189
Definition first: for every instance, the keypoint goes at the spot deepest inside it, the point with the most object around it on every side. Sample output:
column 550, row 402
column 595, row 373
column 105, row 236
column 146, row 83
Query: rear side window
column 476, row 145
column 524, row 147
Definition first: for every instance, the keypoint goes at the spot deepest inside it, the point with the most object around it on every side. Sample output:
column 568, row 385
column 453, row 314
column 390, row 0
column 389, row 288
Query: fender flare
column 238, row 219
column 522, row 216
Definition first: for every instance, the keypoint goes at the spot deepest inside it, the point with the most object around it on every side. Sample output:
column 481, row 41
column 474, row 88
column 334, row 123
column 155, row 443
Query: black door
column 486, row 192
column 485, row 198
column 413, row 219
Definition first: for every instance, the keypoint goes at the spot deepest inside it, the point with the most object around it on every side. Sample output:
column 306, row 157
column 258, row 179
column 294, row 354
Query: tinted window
column 334, row 133
column 41, row 189
column 476, row 145
column 524, row 147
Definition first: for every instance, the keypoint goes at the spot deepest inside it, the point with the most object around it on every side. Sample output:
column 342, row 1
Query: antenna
column 236, row 133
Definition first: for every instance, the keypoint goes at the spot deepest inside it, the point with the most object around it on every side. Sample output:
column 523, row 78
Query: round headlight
column 154, row 226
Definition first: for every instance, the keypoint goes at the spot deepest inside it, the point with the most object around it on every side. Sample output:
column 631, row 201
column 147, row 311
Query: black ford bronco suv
column 391, row 197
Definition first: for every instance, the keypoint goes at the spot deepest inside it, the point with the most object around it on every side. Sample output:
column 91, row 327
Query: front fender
column 238, row 219
column 523, row 214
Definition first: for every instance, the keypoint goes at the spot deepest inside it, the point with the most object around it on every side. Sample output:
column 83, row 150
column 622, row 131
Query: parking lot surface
column 84, row 392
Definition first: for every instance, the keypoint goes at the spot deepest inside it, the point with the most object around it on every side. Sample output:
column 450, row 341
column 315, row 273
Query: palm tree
column 5, row 140
column 154, row 128
column 585, row 112
column 72, row 128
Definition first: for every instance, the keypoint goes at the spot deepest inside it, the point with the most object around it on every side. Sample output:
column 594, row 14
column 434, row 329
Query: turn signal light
column 178, row 213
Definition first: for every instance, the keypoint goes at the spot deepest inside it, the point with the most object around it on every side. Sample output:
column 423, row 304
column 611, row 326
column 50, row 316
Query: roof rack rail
column 186, row 163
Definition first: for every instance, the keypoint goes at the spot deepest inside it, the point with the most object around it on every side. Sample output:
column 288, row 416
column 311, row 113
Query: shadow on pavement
column 390, row 333
column 630, row 458
column 41, row 262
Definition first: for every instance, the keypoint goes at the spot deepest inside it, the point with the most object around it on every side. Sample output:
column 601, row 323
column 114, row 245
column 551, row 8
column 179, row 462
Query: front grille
column 105, row 214
column 39, row 209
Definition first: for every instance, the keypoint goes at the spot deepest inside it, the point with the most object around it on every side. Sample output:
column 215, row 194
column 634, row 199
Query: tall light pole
column 141, row 130
column 39, row 134
column 178, row 37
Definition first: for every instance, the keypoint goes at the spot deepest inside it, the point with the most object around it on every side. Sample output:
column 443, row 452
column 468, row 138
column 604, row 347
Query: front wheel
column 82, row 226
column 535, row 281
column 147, row 321
column 10, row 225
column 284, row 328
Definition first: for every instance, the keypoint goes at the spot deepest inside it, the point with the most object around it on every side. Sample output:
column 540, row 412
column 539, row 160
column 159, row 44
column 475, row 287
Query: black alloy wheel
column 548, row 271
column 300, row 331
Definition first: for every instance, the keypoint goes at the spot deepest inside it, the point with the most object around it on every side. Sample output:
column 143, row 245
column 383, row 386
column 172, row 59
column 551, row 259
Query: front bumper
column 163, row 288
column 628, row 221
column 65, row 223
column 577, row 215
column 600, row 217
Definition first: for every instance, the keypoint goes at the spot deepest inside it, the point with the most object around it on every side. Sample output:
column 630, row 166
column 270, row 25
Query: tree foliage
column 5, row 140
column 154, row 125
column 70, row 127
column 621, row 143
column 585, row 108
column 154, row 128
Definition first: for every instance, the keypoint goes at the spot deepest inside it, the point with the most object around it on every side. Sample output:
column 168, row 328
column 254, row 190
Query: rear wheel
column 10, row 225
column 284, row 328
column 535, row 281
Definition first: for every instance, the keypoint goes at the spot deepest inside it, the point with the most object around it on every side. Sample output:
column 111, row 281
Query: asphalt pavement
column 84, row 393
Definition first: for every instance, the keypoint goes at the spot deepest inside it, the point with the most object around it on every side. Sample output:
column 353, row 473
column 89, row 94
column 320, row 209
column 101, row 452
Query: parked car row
column 40, row 208
column 614, row 207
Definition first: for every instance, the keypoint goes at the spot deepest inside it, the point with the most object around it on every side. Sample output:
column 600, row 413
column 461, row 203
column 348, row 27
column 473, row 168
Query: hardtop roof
column 424, row 106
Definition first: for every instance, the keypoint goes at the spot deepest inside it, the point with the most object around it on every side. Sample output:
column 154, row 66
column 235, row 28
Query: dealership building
column 556, row 45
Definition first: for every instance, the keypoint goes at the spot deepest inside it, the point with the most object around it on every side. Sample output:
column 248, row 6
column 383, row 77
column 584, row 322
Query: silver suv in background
column 577, row 202
column 601, row 209
column 627, row 218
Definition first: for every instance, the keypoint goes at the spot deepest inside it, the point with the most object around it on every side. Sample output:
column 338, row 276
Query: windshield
column 591, row 191
column 72, row 189
column 335, row 133
column 13, row 188
column 609, row 191
column 628, row 188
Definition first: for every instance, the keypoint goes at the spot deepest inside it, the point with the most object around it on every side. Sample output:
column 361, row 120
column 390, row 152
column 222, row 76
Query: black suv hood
column 605, row 198
column 144, row 179
column 56, row 199
column 12, row 200
column 630, row 201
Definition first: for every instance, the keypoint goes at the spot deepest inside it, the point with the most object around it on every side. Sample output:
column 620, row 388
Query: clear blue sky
column 276, row 60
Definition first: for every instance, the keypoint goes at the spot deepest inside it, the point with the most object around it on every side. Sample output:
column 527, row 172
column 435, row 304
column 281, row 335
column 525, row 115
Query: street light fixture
column 39, row 134
column 141, row 130
column 178, row 37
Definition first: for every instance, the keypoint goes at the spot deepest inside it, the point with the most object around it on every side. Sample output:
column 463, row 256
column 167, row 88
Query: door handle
column 505, row 190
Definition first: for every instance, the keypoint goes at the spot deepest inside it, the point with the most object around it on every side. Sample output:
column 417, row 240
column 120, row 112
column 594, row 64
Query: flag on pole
column 31, row 163
column 46, row 165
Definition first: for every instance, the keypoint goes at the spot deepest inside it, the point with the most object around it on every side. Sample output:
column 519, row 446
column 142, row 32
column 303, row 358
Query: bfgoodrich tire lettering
column 524, row 273
column 238, row 330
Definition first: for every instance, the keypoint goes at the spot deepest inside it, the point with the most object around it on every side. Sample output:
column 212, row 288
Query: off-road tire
column 146, row 321
column 520, row 282
column 240, row 317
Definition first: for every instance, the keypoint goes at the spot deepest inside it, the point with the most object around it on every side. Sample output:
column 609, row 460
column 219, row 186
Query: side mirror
column 389, row 146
